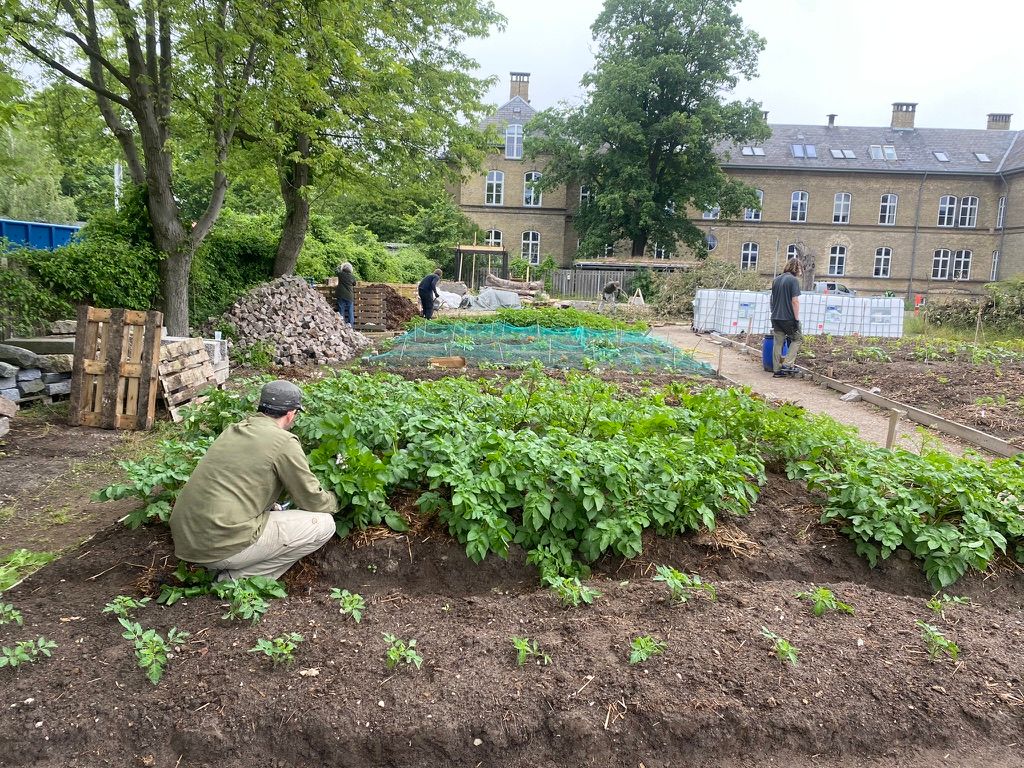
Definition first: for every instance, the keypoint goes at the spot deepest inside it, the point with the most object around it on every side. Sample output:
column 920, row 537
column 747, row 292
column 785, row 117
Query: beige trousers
column 288, row 536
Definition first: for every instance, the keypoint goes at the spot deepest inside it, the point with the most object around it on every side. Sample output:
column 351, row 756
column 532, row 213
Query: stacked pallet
column 185, row 373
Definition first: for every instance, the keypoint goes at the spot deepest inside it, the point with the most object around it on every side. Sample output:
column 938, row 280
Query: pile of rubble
column 296, row 321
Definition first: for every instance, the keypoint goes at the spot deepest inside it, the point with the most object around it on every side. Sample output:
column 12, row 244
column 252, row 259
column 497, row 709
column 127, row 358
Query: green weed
column 280, row 649
column 528, row 649
column 784, row 650
column 823, row 600
column 682, row 587
column 936, row 642
column 399, row 651
column 26, row 652
column 645, row 646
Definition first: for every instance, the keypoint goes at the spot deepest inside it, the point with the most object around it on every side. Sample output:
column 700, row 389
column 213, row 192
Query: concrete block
column 46, row 345
column 11, row 394
column 7, row 370
column 8, row 407
column 33, row 387
column 51, row 378
column 5, row 426
column 8, row 382
column 29, row 374
column 59, row 388
column 19, row 356
column 62, row 363
column 63, row 327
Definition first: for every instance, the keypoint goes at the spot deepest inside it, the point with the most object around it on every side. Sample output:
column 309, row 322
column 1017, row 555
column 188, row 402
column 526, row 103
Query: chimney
column 999, row 121
column 520, row 82
column 903, row 115
column 832, row 121
column 764, row 115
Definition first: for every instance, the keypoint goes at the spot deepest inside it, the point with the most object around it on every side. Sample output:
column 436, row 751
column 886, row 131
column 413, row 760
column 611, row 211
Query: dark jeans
column 347, row 310
column 785, row 330
column 427, row 303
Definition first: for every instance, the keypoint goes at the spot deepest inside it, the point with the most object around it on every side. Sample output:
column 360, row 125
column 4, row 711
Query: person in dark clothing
column 786, row 318
column 428, row 292
column 346, row 293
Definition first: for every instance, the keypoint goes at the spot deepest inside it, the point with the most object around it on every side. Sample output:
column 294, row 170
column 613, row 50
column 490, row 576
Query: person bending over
column 428, row 292
column 226, row 517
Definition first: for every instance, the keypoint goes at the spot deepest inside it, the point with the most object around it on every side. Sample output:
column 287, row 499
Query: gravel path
column 871, row 422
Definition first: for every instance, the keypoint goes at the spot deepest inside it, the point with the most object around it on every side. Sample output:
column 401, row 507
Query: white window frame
column 876, row 152
column 887, row 205
column 586, row 196
column 514, row 142
column 968, row 214
column 837, row 261
column 797, row 149
column 609, row 250
column 811, row 151
column 493, row 237
column 1001, row 213
column 660, row 251
column 940, row 264
column 961, row 265
column 712, row 213
column 754, row 214
column 532, row 197
column 792, row 251
column 947, row 211
column 890, row 152
column 758, row 151
column 942, row 157
column 841, row 205
column 748, row 257
column 531, row 246
column 994, row 274
column 798, row 203
column 883, row 262
column 494, row 190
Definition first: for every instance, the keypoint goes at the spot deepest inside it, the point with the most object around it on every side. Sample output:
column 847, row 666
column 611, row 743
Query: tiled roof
column 915, row 150
column 515, row 111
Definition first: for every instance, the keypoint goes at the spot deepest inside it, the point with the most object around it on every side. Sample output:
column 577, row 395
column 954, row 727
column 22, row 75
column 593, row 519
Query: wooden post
column 894, row 419
column 721, row 349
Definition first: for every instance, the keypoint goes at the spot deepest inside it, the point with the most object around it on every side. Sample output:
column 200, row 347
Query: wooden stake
column 894, row 419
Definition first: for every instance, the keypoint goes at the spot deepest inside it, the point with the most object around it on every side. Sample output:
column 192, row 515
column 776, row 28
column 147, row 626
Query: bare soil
column 864, row 692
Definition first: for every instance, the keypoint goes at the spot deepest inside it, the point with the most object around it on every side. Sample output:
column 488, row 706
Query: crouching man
column 223, row 518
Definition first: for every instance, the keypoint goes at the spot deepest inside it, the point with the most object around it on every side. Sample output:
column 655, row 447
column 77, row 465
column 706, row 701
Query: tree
column 30, row 179
column 161, row 72
column 644, row 141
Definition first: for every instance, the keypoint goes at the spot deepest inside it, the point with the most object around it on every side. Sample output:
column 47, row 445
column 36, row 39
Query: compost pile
column 296, row 321
column 398, row 310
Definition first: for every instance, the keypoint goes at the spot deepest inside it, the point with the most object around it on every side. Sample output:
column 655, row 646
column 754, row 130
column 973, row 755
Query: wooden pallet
column 114, row 376
column 185, row 373
column 370, row 312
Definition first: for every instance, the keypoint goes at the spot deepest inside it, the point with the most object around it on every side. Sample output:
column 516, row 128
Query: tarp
column 448, row 300
column 490, row 298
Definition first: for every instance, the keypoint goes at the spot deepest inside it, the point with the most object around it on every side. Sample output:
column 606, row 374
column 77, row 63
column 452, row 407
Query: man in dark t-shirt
column 428, row 292
column 786, row 318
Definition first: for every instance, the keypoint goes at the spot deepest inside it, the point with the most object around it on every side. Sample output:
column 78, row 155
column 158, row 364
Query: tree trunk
column 294, row 178
column 639, row 246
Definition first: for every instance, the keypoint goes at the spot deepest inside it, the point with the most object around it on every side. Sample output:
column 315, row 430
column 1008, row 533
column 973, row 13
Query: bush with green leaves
column 349, row 603
column 677, row 290
column 681, row 586
column 543, row 317
column 26, row 652
column 644, row 647
column 823, row 600
column 19, row 564
column 280, row 649
column 151, row 650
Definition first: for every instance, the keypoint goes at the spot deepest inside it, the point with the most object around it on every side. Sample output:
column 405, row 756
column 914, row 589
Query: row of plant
column 540, row 317
column 570, row 470
column 994, row 353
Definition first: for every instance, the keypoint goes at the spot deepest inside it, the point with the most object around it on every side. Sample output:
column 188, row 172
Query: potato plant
column 644, row 647
column 10, row 615
column 151, row 650
column 349, row 603
column 280, row 649
column 681, row 587
column 26, row 652
column 823, row 600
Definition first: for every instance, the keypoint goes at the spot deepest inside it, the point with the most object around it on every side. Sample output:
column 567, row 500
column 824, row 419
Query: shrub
column 677, row 290
column 1001, row 310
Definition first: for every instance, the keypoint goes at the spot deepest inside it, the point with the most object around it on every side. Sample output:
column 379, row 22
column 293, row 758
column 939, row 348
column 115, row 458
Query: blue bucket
column 767, row 347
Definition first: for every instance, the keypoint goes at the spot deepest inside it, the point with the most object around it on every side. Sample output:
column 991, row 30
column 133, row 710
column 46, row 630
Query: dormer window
column 514, row 142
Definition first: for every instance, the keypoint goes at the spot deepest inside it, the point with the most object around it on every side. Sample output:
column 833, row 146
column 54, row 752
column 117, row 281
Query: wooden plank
column 98, row 315
column 78, row 392
column 135, row 317
column 131, row 370
column 113, row 338
column 179, row 348
column 184, row 395
column 168, row 367
column 188, row 378
column 149, row 376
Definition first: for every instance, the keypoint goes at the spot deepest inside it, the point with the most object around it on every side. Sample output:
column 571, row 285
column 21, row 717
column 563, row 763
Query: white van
column 836, row 288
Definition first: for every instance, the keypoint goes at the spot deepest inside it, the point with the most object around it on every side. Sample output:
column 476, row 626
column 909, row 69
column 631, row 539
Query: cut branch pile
column 296, row 321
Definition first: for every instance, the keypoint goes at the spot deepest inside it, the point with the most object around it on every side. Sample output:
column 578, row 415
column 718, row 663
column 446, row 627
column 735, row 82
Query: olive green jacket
column 346, row 286
column 223, row 507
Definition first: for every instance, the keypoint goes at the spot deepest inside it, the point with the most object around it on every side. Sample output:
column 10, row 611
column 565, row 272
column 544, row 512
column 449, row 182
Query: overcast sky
column 957, row 60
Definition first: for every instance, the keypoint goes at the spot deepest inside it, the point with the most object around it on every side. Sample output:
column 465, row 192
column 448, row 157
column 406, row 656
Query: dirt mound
column 398, row 310
column 296, row 321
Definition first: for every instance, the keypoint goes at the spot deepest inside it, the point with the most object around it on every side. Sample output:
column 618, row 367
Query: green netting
column 503, row 344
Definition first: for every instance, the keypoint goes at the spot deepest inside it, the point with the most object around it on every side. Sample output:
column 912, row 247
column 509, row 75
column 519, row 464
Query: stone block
column 57, row 363
column 29, row 374
column 33, row 387
column 8, row 382
column 7, row 370
column 10, row 394
column 59, row 388
column 46, row 345
column 19, row 356
column 8, row 407
column 5, row 425
column 51, row 378
column 63, row 327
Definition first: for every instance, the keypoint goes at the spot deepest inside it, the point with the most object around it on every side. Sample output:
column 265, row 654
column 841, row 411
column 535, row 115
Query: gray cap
column 280, row 397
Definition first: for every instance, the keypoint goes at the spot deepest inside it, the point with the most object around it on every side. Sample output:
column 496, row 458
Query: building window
column 531, row 195
column 754, row 214
column 514, row 142
column 1001, row 212
column 961, row 265
column 609, row 250
column 493, row 237
column 947, row 211
column 798, row 150
column 712, row 213
column 531, row 247
column 837, row 260
column 883, row 262
column 890, row 151
column 876, row 151
column 792, row 252
column 940, row 265
column 982, row 157
column 887, row 210
column 798, row 207
column 942, row 157
column 968, row 212
column 752, row 151
column 841, row 208
column 758, row 151
column 660, row 251
column 495, row 192
column 585, row 195
column 748, row 257
column 710, row 241
column 994, row 275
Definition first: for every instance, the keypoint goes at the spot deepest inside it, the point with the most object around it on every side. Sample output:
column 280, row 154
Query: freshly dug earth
column 864, row 692
column 398, row 310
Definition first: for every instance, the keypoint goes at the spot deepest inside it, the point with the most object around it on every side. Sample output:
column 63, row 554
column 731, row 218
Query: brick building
column 894, row 208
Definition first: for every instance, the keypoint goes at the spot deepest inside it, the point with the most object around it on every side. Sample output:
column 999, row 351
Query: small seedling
column 937, row 642
column 938, row 604
column 26, row 652
column 645, row 646
column 280, row 649
column 572, row 592
column 10, row 615
column 399, row 650
column 682, row 587
column 122, row 606
column 151, row 650
column 350, row 603
column 824, row 600
column 528, row 649
column 784, row 650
